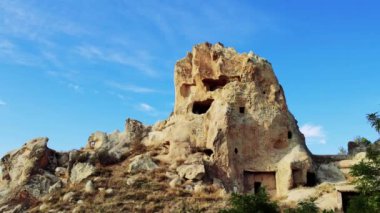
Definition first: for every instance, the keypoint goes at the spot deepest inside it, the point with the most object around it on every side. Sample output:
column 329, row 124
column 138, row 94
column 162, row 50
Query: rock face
column 141, row 163
column 230, row 129
column 112, row 148
column 81, row 171
column 231, row 107
column 193, row 168
column 28, row 170
column 330, row 173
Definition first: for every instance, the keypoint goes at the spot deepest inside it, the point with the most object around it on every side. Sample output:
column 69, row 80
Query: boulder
column 175, row 182
column 40, row 184
column 141, row 163
column 68, row 197
column 109, row 148
column 57, row 186
column 330, row 173
column 17, row 166
column 109, row 191
column 89, row 187
column 113, row 148
column 81, row 171
column 44, row 207
column 28, row 169
column 60, row 171
column 191, row 172
column 193, row 168
column 135, row 130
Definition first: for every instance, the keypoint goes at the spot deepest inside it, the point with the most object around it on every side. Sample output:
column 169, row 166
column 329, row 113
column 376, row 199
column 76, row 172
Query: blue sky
column 69, row 68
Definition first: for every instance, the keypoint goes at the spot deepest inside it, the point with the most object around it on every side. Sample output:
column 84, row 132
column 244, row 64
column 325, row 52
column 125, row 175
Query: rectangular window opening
column 242, row 110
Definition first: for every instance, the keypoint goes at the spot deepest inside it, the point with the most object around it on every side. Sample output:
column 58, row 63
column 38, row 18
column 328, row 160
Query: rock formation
column 231, row 130
column 231, row 107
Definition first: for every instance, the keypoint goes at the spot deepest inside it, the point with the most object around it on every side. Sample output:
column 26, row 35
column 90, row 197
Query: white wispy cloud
column 2, row 103
column 182, row 21
column 130, row 87
column 34, row 25
column 10, row 52
column 314, row 133
column 69, row 75
column 22, row 19
column 118, row 95
column 146, row 107
column 75, row 87
column 135, row 60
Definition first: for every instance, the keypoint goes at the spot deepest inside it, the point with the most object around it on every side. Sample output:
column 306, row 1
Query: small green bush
column 304, row 207
column 362, row 140
column 252, row 203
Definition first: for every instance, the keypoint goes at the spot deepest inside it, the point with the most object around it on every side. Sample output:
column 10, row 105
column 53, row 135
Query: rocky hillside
column 231, row 131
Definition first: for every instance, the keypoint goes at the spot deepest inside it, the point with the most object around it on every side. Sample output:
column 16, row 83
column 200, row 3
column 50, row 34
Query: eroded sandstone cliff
column 231, row 130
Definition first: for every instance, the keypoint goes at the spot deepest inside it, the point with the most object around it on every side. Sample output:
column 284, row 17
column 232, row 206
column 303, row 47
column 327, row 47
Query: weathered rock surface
column 230, row 107
column 193, row 168
column 141, row 163
column 114, row 147
column 68, row 197
column 89, row 187
column 81, row 171
column 330, row 173
column 29, row 171
column 191, row 172
column 230, row 130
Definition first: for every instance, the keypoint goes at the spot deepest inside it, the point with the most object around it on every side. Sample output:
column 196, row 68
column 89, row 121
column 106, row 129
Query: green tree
column 374, row 120
column 361, row 140
column 307, row 206
column 367, row 176
column 342, row 151
column 252, row 203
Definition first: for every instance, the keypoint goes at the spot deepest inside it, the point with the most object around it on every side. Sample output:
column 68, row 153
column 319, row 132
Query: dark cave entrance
column 311, row 179
column 201, row 107
column 346, row 197
column 214, row 84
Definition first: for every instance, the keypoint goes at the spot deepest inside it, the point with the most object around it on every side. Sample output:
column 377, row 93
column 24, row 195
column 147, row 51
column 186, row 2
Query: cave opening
column 201, row 107
column 214, row 84
column 242, row 110
column 346, row 198
column 311, row 179
column 208, row 152
column 290, row 134
column 297, row 178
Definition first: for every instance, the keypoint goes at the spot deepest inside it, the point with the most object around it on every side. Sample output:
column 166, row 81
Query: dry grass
column 149, row 193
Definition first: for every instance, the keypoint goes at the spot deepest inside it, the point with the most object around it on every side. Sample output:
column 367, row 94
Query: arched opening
column 242, row 110
column 236, row 151
column 201, row 107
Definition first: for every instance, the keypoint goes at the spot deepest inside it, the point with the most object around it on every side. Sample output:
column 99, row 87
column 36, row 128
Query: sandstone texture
column 140, row 163
column 232, row 108
column 230, row 131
